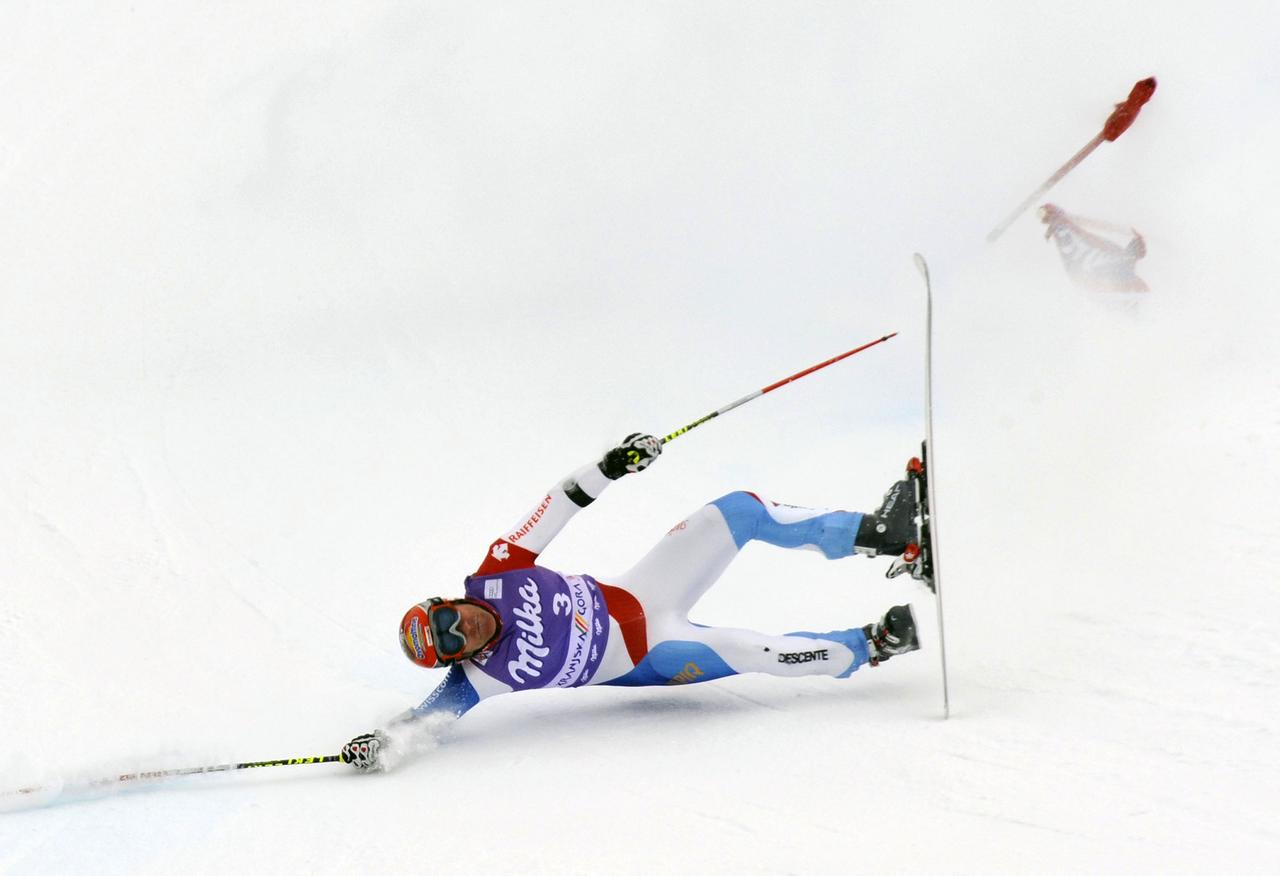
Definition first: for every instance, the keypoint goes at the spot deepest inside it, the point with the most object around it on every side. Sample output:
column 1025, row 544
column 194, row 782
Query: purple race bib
column 554, row 627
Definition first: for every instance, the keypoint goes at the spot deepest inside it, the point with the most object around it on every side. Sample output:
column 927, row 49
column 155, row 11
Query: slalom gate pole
column 771, row 387
column 1117, row 123
column 157, row 775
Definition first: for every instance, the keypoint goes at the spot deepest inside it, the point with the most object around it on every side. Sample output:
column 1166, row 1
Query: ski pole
column 156, row 775
column 1117, row 123
column 771, row 387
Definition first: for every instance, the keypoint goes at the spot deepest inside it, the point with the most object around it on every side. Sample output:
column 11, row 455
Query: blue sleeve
column 454, row 695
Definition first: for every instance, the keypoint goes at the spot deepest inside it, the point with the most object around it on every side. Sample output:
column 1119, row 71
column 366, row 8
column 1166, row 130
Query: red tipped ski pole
column 1117, row 123
column 157, row 775
column 771, row 387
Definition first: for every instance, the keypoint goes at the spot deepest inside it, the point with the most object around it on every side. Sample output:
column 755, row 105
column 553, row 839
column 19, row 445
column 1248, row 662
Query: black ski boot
column 917, row 557
column 894, row 634
column 893, row 527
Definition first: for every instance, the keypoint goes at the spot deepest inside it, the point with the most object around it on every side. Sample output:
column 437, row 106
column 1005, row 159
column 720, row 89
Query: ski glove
column 362, row 752
column 636, row 452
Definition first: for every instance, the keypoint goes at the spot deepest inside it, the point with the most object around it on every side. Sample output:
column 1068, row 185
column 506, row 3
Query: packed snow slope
column 303, row 303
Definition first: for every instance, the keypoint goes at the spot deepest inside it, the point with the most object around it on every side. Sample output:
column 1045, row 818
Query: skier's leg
column 680, row 568
column 835, row 533
column 749, row 517
column 685, row 653
column 676, row 571
column 651, row 601
column 836, row 653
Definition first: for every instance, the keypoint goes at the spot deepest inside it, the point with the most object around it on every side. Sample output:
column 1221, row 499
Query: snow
column 303, row 304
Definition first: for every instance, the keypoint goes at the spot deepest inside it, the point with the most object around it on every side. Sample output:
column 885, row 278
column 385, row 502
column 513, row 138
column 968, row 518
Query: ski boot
column 894, row 634
column 917, row 555
column 892, row 529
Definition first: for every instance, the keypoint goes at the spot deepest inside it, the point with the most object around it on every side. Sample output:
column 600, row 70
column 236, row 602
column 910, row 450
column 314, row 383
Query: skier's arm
column 453, row 697
column 519, row 548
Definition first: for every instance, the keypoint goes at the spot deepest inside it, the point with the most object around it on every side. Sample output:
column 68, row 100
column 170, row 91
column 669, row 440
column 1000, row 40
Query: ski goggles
column 431, row 633
column 445, row 623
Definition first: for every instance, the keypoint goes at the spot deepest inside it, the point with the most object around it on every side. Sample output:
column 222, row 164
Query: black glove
column 635, row 453
column 362, row 752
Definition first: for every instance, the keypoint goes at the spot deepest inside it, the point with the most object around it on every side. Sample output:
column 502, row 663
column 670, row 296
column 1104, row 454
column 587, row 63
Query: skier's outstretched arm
column 519, row 548
column 452, row 698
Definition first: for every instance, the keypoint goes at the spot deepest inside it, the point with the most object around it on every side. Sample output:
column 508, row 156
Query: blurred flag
column 1091, row 260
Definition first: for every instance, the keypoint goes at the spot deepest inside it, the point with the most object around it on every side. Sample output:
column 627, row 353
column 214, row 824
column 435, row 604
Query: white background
column 301, row 304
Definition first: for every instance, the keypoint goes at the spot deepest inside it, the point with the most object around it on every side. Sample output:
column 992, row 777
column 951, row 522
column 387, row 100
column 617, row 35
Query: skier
column 1091, row 260
column 522, row 626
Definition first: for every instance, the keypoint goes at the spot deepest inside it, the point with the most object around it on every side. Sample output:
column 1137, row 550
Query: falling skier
column 522, row 626
column 1091, row 260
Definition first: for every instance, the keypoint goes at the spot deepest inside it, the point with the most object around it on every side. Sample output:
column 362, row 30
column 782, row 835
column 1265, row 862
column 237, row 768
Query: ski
column 921, row 560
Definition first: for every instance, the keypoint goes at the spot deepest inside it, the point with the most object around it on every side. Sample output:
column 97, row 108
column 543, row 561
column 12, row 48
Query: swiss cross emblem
column 501, row 550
